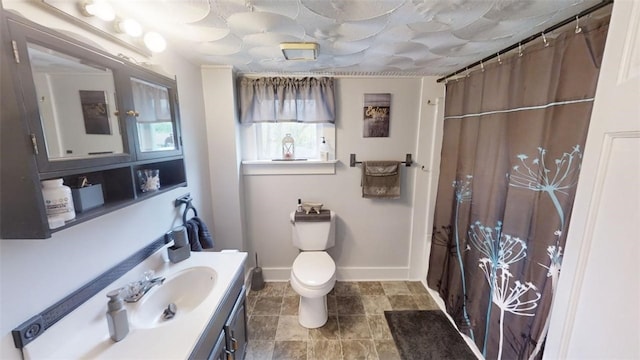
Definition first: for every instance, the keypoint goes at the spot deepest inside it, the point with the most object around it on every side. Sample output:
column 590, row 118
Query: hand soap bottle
column 117, row 316
column 324, row 150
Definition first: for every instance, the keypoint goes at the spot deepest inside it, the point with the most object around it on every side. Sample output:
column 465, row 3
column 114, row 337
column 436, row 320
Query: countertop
column 84, row 334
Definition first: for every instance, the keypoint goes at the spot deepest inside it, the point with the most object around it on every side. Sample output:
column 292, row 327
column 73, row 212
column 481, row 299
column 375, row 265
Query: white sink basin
column 187, row 289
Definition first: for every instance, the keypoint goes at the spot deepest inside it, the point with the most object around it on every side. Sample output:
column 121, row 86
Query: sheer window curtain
column 277, row 99
column 513, row 141
column 151, row 101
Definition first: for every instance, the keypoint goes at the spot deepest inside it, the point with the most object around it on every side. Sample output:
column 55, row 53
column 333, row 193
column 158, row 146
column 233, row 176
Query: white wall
column 224, row 157
column 35, row 274
column 374, row 238
column 428, row 151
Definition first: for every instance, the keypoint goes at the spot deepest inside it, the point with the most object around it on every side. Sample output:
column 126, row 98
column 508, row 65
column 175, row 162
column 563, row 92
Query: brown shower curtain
column 513, row 142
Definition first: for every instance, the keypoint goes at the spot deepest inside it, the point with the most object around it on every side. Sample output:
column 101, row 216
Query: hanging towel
column 381, row 179
column 198, row 233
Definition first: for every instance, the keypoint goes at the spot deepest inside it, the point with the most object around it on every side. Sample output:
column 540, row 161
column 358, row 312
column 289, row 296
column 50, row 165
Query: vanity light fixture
column 154, row 42
column 306, row 51
column 129, row 27
column 103, row 10
column 98, row 8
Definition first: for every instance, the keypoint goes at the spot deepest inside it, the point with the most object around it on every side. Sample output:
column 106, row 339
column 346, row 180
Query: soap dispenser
column 324, row 150
column 117, row 316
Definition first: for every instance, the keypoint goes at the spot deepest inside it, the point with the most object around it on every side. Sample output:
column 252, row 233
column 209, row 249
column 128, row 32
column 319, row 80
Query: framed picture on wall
column 377, row 108
column 95, row 112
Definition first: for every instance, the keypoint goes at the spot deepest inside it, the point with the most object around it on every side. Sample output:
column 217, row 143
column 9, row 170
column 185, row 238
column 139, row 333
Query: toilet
column 313, row 273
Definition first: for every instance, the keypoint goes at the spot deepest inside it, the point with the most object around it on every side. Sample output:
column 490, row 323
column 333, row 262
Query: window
column 267, row 140
column 271, row 108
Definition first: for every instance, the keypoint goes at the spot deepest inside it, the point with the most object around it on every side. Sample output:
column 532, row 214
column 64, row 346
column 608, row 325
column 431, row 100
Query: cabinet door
column 70, row 101
column 235, row 328
column 219, row 351
column 153, row 116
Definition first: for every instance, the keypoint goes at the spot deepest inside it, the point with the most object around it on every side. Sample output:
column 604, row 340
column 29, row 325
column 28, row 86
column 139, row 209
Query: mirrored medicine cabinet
column 73, row 111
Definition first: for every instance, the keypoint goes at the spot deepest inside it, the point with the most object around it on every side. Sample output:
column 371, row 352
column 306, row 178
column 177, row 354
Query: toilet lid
column 313, row 268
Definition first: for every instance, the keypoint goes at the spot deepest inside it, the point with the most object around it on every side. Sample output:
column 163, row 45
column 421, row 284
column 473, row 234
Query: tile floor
column 356, row 329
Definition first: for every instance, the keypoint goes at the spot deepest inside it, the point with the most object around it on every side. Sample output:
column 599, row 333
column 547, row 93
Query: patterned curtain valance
column 274, row 99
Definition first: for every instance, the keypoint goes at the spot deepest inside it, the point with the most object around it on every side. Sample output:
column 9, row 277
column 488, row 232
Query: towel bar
column 352, row 163
column 186, row 199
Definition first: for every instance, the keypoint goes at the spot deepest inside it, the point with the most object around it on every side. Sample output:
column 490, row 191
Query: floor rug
column 422, row 335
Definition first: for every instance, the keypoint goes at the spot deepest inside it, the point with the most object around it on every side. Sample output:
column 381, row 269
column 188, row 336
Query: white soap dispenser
column 117, row 316
column 324, row 150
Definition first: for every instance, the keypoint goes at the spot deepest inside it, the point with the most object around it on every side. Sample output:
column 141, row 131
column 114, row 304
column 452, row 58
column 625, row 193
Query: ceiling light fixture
column 129, row 27
column 98, row 8
column 155, row 42
column 305, row 51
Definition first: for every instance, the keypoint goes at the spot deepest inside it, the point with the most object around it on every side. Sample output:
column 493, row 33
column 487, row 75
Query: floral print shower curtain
column 513, row 140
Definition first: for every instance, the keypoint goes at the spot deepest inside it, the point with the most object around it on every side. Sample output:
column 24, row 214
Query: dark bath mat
column 422, row 335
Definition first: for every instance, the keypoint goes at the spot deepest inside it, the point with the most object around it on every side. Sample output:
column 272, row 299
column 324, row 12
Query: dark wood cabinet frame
column 23, row 156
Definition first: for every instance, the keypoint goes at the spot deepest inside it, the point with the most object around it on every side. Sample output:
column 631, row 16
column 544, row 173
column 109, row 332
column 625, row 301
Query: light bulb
column 100, row 9
column 155, row 42
column 129, row 27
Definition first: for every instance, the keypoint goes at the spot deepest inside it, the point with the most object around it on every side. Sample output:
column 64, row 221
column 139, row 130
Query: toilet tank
column 313, row 235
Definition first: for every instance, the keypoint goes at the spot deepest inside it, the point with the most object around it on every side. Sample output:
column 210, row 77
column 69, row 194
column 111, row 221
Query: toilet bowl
column 313, row 275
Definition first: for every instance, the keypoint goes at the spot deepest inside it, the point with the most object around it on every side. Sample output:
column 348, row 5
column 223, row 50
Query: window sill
column 306, row 167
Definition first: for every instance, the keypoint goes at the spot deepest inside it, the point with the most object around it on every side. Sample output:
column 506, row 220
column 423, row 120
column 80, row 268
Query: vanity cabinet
column 73, row 111
column 235, row 329
column 226, row 337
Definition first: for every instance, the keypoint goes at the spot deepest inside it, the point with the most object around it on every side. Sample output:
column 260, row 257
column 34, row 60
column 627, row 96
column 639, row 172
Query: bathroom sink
column 186, row 289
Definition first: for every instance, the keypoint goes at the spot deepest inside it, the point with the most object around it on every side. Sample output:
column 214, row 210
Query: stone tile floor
column 356, row 329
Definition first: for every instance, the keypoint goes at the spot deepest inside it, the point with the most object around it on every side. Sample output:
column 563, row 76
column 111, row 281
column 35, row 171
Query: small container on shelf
column 148, row 179
column 87, row 196
column 324, row 150
column 58, row 200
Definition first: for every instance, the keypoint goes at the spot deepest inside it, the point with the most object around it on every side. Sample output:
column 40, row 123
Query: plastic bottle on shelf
column 58, row 200
column 324, row 150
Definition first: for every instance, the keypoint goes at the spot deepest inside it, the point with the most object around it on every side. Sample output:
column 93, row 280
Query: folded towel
column 381, row 179
column 325, row 215
column 198, row 233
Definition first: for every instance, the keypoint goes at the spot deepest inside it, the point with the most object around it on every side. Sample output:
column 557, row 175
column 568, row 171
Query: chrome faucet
column 137, row 289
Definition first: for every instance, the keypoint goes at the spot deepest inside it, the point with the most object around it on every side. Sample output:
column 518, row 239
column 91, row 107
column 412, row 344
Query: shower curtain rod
column 530, row 38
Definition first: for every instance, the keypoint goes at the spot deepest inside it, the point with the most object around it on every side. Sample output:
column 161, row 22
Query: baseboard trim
column 346, row 273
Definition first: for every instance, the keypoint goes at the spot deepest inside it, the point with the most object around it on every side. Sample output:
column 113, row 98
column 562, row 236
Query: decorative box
column 87, row 198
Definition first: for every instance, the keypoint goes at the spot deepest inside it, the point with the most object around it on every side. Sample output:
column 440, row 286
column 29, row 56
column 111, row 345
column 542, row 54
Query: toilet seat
column 313, row 269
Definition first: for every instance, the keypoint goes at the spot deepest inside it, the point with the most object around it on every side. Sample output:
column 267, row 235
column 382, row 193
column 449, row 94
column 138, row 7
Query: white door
column 596, row 309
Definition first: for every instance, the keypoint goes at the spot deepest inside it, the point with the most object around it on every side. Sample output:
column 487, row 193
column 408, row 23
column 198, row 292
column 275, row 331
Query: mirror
column 77, row 104
column 155, row 126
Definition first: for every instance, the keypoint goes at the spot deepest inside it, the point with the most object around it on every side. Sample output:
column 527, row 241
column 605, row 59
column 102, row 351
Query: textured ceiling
column 385, row 37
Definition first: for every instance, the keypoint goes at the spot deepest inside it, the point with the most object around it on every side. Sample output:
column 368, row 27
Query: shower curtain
column 513, row 140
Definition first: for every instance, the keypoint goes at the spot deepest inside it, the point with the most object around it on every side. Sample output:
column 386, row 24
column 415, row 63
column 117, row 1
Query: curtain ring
column 544, row 39
column 499, row 59
column 520, row 49
column 578, row 28
column 481, row 66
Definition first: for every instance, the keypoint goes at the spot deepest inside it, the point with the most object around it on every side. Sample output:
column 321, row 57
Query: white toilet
column 313, row 273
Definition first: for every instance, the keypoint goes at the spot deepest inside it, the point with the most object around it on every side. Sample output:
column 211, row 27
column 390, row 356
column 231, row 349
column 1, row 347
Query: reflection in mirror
column 153, row 118
column 77, row 105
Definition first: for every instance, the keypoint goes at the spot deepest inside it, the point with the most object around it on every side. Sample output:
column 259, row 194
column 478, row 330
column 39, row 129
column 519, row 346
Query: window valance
column 277, row 99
